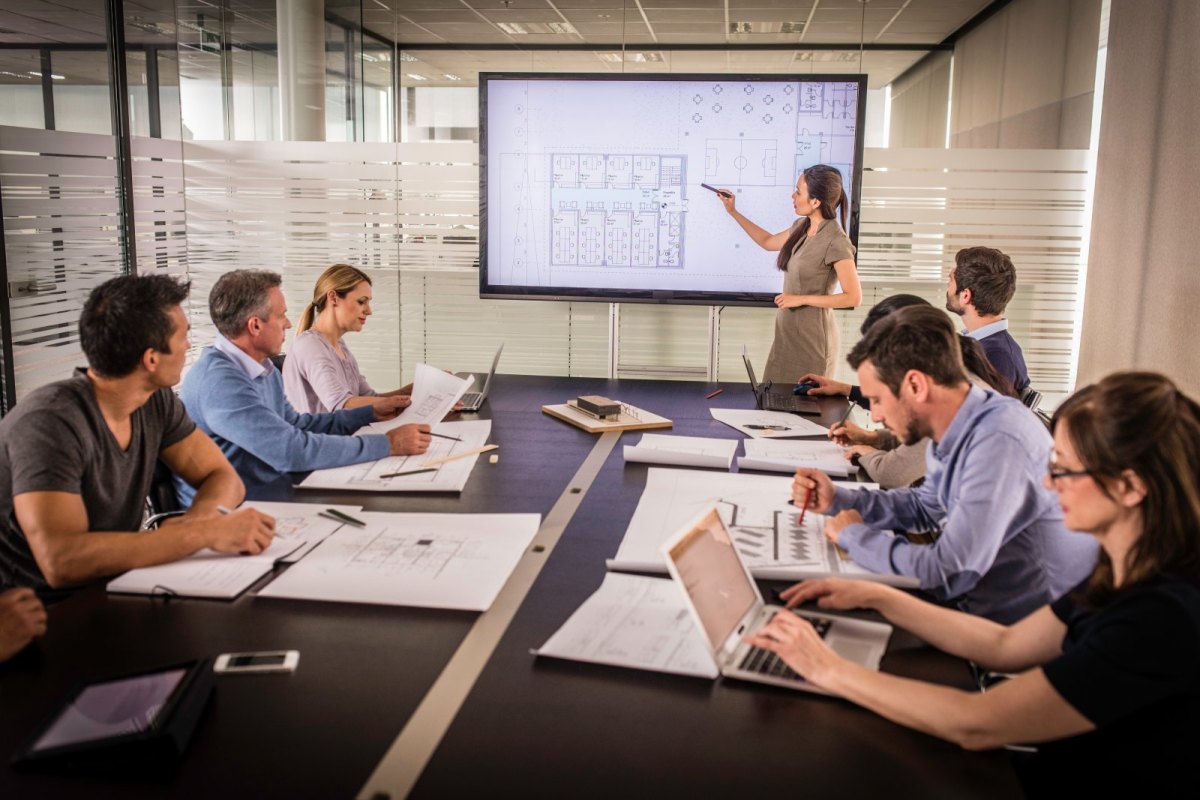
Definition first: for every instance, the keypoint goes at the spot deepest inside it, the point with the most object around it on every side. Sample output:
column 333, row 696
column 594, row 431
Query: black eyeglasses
column 1053, row 470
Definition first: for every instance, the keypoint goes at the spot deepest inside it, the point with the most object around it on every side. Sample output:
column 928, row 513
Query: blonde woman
column 320, row 373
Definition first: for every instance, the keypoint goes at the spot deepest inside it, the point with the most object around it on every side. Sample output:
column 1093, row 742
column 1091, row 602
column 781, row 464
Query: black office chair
column 1031, row 398
column 161, row 502
column 278, row 361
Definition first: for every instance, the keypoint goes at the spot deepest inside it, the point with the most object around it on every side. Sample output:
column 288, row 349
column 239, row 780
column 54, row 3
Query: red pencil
column 711, row 395
column 803, row 508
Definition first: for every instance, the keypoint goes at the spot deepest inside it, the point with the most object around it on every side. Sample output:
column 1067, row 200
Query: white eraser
column 493, row 459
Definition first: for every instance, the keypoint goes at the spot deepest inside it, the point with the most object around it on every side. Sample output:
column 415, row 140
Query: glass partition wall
column 348, row 131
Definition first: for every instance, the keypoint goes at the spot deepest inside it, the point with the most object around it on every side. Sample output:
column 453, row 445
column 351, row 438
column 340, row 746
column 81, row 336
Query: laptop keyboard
column 764, row 662
column 790, row 402
column 471, row 399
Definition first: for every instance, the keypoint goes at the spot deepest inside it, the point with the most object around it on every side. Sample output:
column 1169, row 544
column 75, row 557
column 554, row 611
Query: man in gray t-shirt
column 77, row 457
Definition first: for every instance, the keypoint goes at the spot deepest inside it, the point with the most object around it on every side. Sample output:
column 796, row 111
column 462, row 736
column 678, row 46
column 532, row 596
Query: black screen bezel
column 492, row 291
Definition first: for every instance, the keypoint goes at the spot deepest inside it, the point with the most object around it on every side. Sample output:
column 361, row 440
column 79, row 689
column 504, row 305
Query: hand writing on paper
column 247, row 531
column 816, row 482
column 388, row 406
column 22, row 619
column 835, row 524
column 408, row 440
column 847, row 433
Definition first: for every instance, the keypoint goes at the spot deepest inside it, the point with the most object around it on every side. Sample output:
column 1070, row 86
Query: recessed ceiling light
column 562, row 27
column 406, row 57
column 511, row 27
column 450, row 76
column 416, row 77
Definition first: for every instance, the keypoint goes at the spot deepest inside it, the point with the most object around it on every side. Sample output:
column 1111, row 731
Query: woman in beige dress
column 815, row 255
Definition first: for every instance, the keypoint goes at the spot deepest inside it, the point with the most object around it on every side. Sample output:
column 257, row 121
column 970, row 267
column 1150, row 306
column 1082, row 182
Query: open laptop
column 767, row 400
column 726, row 605
column 473, row 401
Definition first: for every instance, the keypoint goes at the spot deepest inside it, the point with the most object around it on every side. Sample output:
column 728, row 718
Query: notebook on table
column 473, row 401
column 725, row 603
column 768, row 399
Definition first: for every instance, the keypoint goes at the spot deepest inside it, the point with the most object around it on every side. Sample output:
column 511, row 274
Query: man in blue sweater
column 235, row 394
column 1003, row 550
column 981, row 284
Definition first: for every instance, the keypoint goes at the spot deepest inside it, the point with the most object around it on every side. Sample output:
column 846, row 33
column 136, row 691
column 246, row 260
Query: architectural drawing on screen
column 740, row 162
column 617, row 210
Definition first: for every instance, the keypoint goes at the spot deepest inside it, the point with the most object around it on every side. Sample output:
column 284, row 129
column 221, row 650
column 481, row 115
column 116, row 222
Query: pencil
column 846, row 416
column 444, row 436
column 711, row 395
column 409, row 472
column 803, row 508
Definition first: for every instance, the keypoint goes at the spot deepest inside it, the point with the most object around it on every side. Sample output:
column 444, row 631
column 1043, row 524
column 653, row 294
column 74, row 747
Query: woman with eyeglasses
column 815, row 255
column 1108, row 677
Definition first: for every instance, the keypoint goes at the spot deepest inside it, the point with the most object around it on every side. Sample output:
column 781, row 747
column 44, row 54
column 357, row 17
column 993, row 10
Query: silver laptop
column 768, row 400
column 726, row 605
column 473, row 401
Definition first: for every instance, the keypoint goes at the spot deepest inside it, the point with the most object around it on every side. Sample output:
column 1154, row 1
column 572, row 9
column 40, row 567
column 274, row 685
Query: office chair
column 1031, row 398
column 161, row 502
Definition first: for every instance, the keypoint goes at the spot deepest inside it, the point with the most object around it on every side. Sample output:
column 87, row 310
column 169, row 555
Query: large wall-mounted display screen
column 591, row 184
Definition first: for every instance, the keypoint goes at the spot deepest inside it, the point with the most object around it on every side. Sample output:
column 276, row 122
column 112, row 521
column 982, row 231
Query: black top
column 56, row 440
column 1132, row 667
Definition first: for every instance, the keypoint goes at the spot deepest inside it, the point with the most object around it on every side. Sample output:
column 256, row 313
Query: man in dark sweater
column 981, row 284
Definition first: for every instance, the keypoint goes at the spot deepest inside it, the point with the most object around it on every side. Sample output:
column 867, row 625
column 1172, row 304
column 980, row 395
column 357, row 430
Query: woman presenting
column 815, row 254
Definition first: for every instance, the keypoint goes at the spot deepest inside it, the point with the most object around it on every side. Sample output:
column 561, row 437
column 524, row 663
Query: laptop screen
column 750, row 372
column 487, row 384
column 712, row 574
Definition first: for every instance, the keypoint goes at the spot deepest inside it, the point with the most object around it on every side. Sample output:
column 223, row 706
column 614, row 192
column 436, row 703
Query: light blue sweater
column 259, row 431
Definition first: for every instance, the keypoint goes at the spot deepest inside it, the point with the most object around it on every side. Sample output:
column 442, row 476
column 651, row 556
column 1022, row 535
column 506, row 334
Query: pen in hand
column 803, row 508
column 841, row 423
column 444, row 436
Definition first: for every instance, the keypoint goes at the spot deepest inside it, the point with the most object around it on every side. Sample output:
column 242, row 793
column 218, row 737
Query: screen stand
column 616, row 369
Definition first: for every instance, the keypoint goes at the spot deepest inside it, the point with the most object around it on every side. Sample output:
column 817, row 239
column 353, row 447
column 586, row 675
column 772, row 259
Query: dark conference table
column 538, row 727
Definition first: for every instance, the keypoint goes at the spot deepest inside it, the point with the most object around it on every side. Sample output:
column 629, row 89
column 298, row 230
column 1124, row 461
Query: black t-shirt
column 56, row 440
column 1132, row 667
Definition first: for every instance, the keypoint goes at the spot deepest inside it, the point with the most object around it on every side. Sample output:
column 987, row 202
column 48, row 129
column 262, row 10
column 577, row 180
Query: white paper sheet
column 760, row 520
column 434, row 393
column 634, row 621
column 783, row 424
column 788, row 455
column 428, row 560
column 301, row 522
column 205, row 574
column 683, row 451
column 448, row 477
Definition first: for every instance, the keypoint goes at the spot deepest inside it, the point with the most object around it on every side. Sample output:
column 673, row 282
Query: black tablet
column 146, row 718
